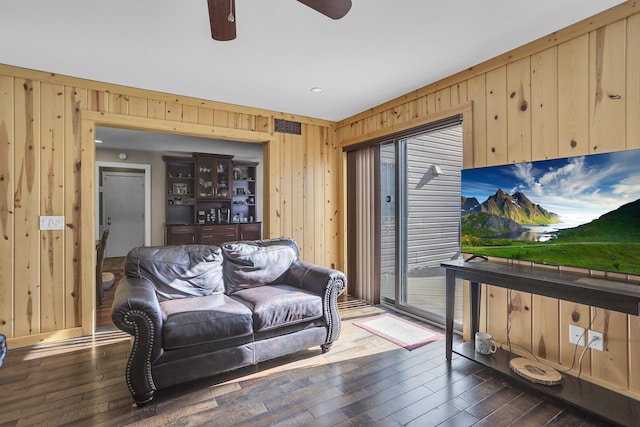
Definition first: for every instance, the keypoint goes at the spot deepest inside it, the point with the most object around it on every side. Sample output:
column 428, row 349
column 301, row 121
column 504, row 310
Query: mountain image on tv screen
column 579, row 211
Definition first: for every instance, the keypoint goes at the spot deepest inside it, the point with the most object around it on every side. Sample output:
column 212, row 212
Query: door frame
column 146, row 170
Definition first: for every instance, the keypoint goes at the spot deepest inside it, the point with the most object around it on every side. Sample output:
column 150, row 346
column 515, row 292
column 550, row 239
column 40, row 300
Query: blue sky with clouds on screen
column 579, row 189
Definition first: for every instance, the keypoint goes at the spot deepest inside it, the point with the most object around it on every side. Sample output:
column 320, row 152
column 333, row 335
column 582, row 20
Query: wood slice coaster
column 535, row 372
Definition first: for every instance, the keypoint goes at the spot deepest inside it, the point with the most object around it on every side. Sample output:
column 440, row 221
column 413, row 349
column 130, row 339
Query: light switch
column 52, row 223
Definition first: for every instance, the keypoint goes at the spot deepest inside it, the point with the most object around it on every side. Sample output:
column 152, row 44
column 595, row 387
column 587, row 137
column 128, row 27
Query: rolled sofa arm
column 322, row 281
column 136, row 310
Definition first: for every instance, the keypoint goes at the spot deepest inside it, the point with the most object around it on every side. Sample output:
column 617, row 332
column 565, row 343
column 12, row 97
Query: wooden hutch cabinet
column 210, row 200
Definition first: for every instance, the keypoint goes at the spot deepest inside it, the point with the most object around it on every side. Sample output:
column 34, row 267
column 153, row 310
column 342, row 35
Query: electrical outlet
column 52, row 223
column 596, row 340
column 576, row 335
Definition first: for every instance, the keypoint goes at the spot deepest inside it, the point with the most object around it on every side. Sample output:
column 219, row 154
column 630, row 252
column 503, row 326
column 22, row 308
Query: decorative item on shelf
column 179, row 188
column 177, row 200
column 237, row 173
column 223, row 194
column 250, row 219
column 223, row 215
column 251, row 200
column 240, row 191
column 236, row 218
column 202, row 217
column 210, row 216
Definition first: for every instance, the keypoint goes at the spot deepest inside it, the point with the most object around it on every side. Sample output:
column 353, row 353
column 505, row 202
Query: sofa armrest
column 322, row 281
column 136, row 310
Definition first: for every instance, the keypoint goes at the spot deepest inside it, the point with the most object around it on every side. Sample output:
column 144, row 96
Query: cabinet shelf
column 204, row 177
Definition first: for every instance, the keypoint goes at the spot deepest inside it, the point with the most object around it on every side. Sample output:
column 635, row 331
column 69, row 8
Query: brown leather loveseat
column 195, row 310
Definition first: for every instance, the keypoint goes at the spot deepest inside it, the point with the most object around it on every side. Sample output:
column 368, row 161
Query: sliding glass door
column 419, row 205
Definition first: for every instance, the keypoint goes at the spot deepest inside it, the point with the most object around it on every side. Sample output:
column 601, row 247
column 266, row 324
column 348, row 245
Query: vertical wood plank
column 27, row 204
column 118, row 103
column 319, row 157
column 607, row 47
column 297, row 188
column 443, row 98
column 138, row 107
column 519, row 111
column 309, row 192
column 519, row 310
column 87, row 237
column 189, row 114
column 273, row 195
column 496, row 93
column 546, row 331
column 634, row 353
column 262, row 124
column 205, row 116
column 476, row 90
column 99, row 101
column 497, row 308
column 173, row 111
column 544, row 104
column 221, row 118
column 52, row 142
column 155, row 109
column 331, row 200
column 75, row 101
column 286, row 188
column 611, row 365
column 459, row 93
column 7, row 208
column 573, row 99
column 430, row 104
column 633, row 82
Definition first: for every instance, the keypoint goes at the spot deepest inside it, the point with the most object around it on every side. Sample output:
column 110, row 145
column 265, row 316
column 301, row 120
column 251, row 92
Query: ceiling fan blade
column 222, row 18
column 334, row 9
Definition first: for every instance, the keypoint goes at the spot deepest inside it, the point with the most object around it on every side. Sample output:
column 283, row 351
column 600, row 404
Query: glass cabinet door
column 206, row 178
column 222, row 175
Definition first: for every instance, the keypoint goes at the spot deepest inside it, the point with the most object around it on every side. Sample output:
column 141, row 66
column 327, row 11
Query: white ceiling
column 382, row 49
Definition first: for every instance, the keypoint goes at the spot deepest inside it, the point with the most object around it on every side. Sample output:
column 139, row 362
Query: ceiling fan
column 222, row 14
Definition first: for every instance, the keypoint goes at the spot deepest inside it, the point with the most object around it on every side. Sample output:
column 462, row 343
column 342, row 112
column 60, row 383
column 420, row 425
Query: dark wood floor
column 363, row 381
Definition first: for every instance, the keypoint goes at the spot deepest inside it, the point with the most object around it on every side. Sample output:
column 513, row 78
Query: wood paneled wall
column 574, row 92
column 47, row 161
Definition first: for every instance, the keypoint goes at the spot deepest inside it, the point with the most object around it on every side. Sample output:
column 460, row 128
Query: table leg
column 476, row 291
column 450, row 306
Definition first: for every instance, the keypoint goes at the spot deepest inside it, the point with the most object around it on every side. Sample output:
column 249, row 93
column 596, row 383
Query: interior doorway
column 123, row 204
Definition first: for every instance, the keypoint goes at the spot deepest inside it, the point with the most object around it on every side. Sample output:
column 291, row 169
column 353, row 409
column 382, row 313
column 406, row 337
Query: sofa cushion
column 193, row 321
column 256, row 263
column 178, row 271
column 279, row 305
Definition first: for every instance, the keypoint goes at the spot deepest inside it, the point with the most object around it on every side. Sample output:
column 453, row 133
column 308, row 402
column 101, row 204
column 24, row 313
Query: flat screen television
column 579, row 211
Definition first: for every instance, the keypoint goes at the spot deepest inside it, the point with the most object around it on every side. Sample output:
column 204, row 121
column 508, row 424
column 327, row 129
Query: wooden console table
column 613, row 295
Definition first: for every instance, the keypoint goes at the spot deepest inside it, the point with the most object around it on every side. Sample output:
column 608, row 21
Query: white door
column 123, row 202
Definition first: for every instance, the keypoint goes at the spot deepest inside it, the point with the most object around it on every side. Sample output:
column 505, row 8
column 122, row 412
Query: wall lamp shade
column 436, row 170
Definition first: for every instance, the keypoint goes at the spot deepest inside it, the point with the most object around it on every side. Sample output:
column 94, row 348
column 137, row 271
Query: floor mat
column 402, row 332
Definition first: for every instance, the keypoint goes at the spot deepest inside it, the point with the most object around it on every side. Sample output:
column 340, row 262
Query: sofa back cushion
column 178, row 271
column 248, row 264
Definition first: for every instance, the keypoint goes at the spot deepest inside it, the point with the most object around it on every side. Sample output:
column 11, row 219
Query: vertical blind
column 363, row 251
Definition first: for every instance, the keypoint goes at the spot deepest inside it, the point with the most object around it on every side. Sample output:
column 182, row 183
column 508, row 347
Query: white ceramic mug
column 485, row 343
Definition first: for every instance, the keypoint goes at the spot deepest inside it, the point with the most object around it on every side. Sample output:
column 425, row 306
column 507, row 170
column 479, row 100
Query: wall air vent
column 287, row 126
